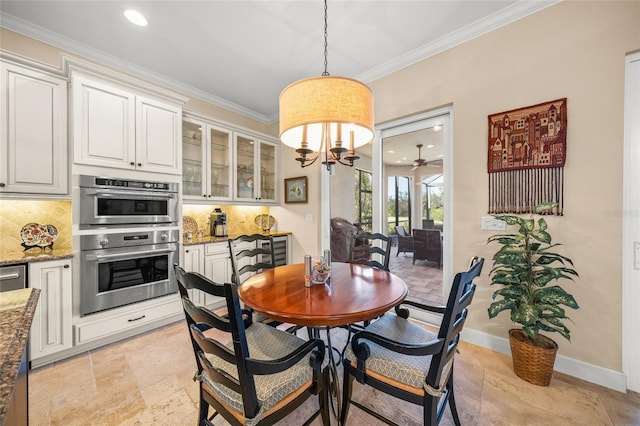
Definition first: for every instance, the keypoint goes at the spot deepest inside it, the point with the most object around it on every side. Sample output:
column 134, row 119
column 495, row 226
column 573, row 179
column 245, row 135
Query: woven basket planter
column 532, row 362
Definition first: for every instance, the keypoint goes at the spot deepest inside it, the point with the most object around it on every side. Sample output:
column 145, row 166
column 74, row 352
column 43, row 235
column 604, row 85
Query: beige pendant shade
column 343, row 105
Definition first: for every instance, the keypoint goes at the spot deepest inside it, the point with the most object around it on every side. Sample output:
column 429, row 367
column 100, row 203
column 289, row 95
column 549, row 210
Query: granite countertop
column 14, row 257
column 209, row 239
column 16, row 313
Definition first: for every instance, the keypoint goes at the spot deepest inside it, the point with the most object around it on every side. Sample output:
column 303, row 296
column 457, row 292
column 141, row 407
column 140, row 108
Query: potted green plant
column 525, row 267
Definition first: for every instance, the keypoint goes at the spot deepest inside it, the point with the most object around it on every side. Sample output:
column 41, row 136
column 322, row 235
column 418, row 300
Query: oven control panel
column 128, row 239
column 105, row 182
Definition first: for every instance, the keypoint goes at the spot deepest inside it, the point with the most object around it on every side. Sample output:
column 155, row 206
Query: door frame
column 631, row 224
column 444, row 117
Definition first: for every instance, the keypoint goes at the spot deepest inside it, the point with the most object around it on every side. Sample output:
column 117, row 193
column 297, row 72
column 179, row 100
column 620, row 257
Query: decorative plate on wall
column 38, row 235
column 189, row 224
column 265, row 222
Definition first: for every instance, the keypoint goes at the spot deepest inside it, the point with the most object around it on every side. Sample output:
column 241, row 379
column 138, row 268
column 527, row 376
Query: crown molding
column 36, row 32
column 506, row 16
column 499, row 19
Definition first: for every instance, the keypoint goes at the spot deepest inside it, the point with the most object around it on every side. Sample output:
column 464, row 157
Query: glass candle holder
column 320, row 270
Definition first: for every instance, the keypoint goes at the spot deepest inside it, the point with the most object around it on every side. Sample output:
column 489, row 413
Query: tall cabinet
column 51, row 329
column 33, row 140
column 116, row 126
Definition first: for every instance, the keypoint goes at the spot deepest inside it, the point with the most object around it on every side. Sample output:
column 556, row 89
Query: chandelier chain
column 326, row 54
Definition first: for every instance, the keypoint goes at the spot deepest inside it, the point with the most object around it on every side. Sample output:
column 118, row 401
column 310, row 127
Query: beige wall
column 574, row 50
column 292, row 217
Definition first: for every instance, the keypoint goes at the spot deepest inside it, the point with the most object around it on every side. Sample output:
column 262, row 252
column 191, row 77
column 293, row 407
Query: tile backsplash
column 234, row 217
column 14, row 214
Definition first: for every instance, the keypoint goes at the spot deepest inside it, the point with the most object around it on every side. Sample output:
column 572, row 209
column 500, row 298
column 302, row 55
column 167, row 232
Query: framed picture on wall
column 295, row 190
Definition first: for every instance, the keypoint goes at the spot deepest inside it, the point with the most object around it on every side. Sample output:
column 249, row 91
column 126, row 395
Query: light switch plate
column 490, row 223
column 309, row 217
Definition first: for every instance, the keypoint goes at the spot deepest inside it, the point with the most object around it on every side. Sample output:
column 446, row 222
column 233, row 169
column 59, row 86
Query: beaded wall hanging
column 526, row 157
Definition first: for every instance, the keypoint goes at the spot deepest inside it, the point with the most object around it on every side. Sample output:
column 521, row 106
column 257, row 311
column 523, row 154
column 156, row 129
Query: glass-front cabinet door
column 267, row 172
column 220, row 165
column 256, row 177
column 246, row 148
column 193, row 156
column 206, row 161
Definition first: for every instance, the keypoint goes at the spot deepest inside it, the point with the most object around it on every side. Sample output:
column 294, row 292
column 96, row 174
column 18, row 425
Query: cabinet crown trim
column 74, row 65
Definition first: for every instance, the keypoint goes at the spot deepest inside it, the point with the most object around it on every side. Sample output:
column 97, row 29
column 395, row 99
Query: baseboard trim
column 611, row 379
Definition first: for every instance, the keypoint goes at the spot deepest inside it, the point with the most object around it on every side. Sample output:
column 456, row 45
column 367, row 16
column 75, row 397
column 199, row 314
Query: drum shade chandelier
column 326, row 116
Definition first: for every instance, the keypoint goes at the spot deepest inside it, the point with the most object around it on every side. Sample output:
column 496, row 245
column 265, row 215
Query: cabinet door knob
column 139, row 164
column 204, row 195
column 132, row 163
column 2, row 185
column 66, row 266
column 186, row 251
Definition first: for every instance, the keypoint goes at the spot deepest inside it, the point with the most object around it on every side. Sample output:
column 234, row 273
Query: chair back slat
column 366, row 244
column 455, row 315
column 250, row 254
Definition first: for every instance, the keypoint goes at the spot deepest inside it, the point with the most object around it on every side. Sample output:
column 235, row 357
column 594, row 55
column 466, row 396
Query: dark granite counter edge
column 212, row 240
column 11, row 360
column 8, row 260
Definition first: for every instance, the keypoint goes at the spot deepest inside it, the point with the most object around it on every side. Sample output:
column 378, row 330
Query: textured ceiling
column 241, row 54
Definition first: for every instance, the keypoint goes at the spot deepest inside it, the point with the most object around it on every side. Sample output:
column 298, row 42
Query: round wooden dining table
column 353, row 293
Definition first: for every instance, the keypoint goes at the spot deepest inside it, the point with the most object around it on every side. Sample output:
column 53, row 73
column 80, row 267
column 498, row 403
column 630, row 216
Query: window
column 432, row 201
column 399, row 203
column 364, row 203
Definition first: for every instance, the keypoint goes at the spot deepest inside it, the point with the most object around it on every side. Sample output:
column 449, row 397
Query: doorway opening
column 412, row 161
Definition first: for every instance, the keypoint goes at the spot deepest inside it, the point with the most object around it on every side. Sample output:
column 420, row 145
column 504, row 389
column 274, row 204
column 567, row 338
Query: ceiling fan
column 419, row 162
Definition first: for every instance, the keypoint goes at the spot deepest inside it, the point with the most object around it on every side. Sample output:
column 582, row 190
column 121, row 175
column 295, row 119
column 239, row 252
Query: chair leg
column 324, row 398
column 430, row 410
column 203, row 410
column 347, row 386
column 452, row 401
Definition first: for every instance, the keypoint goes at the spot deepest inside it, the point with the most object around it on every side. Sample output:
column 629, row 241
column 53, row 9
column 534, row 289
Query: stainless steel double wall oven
column 130, row 256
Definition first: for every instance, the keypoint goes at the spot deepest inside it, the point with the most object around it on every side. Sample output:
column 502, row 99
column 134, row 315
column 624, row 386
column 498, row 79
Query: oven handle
column 138, row 195
column 127, row 254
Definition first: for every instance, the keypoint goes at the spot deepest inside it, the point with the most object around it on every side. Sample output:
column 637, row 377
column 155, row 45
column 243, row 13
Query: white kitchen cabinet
column 206, row 161
column 115, row 127
column 33, row 143
column 193, row 261
column 217, row 267
column 256, row 174
column 51, row 329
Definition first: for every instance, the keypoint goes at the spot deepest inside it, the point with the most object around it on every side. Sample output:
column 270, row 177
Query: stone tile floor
column 147, row 380
column 424, row 279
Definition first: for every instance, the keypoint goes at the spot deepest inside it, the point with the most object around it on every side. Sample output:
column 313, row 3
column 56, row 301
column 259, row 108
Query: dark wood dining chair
column 249, row 373
column 250, row 254
column 405, row 241
column 400, row 358
column 365, row 244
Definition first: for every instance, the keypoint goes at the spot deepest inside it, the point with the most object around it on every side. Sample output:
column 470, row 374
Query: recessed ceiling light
column 437, row 128
column 391, row 151
column 404, row 158
column 398, row 161
column 430, row 146
column 440, row 156
column 135, row 17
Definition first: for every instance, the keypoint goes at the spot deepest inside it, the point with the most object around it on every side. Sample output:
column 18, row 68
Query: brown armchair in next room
column 427, row 245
